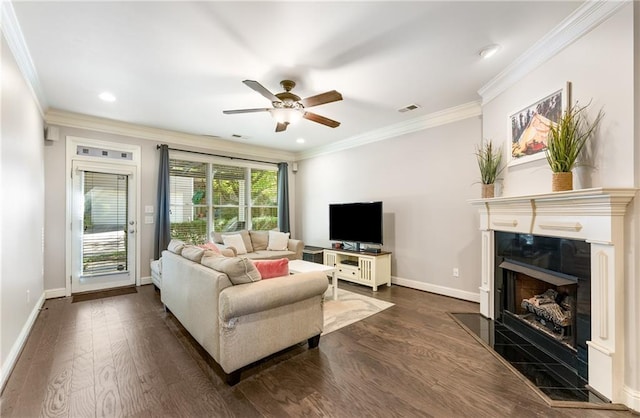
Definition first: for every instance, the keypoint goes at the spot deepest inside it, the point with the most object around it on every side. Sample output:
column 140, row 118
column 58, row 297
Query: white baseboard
column 632, row 399
column 145, row 280
column 439, row 290
column 12, row 358
column 55, row 293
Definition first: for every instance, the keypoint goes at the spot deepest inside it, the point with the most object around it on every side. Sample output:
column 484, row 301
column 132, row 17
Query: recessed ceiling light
column 107, row 97
column 489, row 51
column 300, row 140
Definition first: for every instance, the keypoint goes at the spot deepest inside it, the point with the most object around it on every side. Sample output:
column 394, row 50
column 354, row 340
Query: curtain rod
column 217, row 155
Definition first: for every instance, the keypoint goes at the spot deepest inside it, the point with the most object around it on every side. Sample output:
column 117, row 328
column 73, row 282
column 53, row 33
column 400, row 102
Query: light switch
column 148, row 219
column 148, row 209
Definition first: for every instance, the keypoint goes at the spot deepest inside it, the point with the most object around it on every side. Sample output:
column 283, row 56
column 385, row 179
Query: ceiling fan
column 288, row 107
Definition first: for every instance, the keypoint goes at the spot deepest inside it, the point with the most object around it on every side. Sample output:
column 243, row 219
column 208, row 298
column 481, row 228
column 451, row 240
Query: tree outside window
column 239, row 198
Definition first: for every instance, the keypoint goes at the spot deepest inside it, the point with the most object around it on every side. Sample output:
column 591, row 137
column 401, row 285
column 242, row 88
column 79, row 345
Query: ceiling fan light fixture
column 286, row 115
column 107, row 97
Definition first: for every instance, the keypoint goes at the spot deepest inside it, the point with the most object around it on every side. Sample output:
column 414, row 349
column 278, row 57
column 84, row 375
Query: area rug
column 349, row 308
column 83, row 297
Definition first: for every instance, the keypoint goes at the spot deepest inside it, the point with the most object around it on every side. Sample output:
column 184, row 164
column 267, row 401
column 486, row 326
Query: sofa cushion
column 192, row 252
column 271, row 255
column 175, row 246
column 278, row 241
column 272, row 268
column 235, row 241
column 259, row 240
column 240, row 270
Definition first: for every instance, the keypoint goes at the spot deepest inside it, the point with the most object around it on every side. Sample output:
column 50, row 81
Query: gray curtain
column 283, row 197
column 163, row 225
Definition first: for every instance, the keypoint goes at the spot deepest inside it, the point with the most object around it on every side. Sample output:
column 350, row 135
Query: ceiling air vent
column 408, row 108
column 238, row 136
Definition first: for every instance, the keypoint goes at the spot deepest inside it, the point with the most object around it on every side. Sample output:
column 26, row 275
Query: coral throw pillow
column 210, row 246
column 272, row 268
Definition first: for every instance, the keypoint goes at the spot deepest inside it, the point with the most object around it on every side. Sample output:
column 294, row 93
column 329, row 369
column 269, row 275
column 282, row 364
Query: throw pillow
column 240, row 270
column 216, row 237
column 210, row 246
column 175, row 246
column 259, row 240
column 192, row 252
column 236, row 242
column 278, row 241
column 272, row 268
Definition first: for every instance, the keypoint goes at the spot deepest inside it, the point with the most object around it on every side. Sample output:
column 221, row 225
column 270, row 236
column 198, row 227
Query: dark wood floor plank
column 124, row 356
column 82, row 403
column 129, row 385
column 107, row 400
column 56, row 401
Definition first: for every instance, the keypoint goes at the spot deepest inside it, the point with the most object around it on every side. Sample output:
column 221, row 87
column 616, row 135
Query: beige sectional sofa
column 238, row 324
column 255, row 242
column 257, row 245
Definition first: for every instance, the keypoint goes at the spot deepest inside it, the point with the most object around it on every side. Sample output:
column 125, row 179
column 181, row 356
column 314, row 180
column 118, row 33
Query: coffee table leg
column 334, row 283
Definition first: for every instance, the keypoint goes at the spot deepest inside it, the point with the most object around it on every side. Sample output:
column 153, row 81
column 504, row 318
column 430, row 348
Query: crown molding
column 443, row 117
column 18, row 46
column 109, row 126
column 586, row 17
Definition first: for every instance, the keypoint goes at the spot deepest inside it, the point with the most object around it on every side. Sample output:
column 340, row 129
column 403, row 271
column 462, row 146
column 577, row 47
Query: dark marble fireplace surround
column 543, row 293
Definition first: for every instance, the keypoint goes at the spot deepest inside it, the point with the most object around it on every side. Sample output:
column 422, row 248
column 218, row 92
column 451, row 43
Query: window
column 104, row 238
column 188, row 209
column 207, row 197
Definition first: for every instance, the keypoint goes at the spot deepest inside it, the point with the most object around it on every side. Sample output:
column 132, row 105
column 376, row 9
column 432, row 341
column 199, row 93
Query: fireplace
column 576, row 237
column 542, row 292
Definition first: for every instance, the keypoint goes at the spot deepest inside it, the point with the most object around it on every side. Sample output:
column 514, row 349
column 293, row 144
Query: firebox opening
column 543, row 300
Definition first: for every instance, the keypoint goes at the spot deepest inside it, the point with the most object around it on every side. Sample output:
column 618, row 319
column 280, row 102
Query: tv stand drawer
column 347, row 270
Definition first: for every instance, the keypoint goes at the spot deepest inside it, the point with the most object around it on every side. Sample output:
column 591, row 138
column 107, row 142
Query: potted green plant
column 490, row 163
column 565, row 143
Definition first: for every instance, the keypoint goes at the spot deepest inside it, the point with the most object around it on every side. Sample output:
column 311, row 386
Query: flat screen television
column 359, row 222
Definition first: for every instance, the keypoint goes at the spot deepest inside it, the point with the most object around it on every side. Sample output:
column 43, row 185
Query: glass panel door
column 103, row 232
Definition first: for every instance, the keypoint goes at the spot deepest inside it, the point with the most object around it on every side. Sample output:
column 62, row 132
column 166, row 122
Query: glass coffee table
column 301, row 266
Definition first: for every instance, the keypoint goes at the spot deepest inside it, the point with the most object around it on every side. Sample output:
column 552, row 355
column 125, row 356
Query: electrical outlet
column 456, row 272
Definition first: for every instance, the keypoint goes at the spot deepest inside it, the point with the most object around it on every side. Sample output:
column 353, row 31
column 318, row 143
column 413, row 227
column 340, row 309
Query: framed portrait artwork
column 529, row 127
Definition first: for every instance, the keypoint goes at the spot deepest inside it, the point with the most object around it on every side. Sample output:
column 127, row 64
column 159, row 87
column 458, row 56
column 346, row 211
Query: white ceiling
column 178, row 65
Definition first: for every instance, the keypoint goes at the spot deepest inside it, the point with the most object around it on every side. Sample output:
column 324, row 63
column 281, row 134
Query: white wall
column 604, row 66
column 424, row 180
column 21, row 213
column 600, row 67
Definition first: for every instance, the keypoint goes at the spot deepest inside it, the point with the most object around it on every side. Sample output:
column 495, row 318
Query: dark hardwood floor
column 124, row 356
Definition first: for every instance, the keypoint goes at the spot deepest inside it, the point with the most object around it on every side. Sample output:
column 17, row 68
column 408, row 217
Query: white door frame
column 133, row 165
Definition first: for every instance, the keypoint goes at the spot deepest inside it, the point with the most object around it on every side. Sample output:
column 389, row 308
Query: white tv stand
column 369, row 269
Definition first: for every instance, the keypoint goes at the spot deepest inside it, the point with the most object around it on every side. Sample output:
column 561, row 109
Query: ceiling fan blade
column 281, row 126
column 262, row 90
column 322, row 98
column 231, row 112
column 321, row 119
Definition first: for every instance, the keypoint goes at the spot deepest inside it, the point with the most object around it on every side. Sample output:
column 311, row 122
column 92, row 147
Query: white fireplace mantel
column 593, row 215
